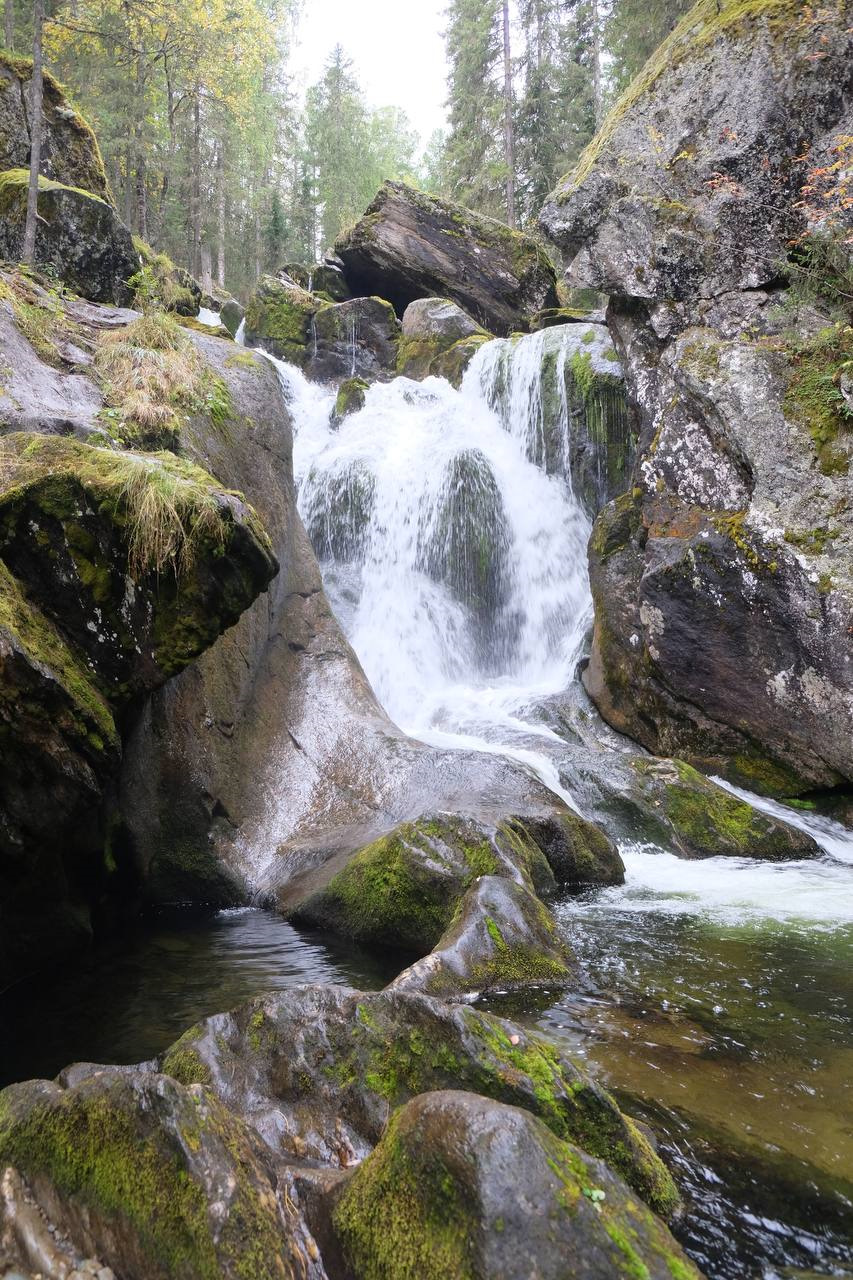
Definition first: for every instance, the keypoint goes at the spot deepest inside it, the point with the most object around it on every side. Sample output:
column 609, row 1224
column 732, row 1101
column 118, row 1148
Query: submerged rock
column 350, row 397
column 78, row 236
column 463, row 1186
column 721, row 581
column 318, row 1071
column 231, row 315
column 706, row 821
column 409, row 245
column 156, row 1180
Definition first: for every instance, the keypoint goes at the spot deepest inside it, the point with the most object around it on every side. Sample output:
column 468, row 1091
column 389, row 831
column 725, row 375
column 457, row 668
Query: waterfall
column 455, row 563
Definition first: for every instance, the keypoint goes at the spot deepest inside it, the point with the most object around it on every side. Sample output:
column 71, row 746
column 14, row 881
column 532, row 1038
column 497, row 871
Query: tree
column 475, row 162
column 633, row 31
column 36, row 96
column 509, row 128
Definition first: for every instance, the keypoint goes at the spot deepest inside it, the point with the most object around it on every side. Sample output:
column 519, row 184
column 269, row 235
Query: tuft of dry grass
column 171, row 510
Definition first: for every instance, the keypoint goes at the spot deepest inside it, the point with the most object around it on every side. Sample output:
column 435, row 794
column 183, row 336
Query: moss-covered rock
column 431, row 327
column 78, row 236
column 158, row 1181
column 452, row 363
column 69, row 149
column 465, row 1187
column 578, row 852
column 279, row 317
column 402, row 889
column 352, row 339
column 350, row 397
column 704, row 820
column 501, row 937
column 117, row 571
column 170, row 286
column 409, row 245
column 231, row 315
column 318, row 1070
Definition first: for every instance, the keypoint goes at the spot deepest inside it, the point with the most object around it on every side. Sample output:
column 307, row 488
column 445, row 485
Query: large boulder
column 357, row 338
column 722, row 580
column 409, row 245
column 78, row 236
column 463, row 1186
column 154, row 1180
column 318, row 1070
column 69, row 149
column 118, row 570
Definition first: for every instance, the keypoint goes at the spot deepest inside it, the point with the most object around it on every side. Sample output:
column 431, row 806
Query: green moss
column 814, row 541
column 14, row 184
column 281, row 316
column 38, row 314
column 89, row 717
column 350, row 397
column 242, row 360
column 117, row 1161
column 814, row 397
column 183, row 1063
column 704, row 23
column 452, row 363
column 404, row 1216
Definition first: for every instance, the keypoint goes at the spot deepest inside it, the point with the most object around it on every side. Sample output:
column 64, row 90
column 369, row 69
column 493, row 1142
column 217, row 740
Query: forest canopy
column 215, row 158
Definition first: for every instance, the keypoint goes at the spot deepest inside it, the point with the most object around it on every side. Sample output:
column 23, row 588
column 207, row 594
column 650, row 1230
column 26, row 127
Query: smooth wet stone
column 318, row 1070
column 464, row 1186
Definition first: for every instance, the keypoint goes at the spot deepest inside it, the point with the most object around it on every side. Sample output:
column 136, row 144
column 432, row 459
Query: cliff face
column 722, row 580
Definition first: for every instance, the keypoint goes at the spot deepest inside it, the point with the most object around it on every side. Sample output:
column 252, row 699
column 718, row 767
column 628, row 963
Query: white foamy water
column 457, row 567
column 206, row 316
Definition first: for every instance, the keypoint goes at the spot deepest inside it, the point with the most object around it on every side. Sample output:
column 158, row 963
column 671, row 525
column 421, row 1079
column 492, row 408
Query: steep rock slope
column 722, row 581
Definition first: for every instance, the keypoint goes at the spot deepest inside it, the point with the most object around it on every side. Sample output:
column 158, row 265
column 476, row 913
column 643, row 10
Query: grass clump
column 160, row 283
column 814, row 397
column 38, row 314
column 152, row 376
column 170, row 508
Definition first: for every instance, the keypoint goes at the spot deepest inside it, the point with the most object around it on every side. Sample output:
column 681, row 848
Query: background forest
column 214, row 158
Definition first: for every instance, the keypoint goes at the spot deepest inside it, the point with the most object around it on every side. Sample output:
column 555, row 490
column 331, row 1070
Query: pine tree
column 474, row 156
column 634, row 30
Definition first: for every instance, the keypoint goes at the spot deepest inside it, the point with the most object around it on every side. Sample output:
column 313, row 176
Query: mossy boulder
column 452, row 363
column 402, row 889
column 409, row 245
column 705, row 821
column 69, row 149
column 431, row 326
column 318, row 1070
column 579, row 853
column 231, row 315
column 350, row 397
column 172, row 286
column 158, row 1181
column 278, row 318
column 466, row 1187
column 78, row 236
column 501, row 937
column 355, row 339
column 118, row 570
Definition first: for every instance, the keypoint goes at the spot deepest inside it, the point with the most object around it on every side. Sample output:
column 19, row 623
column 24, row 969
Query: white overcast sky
column 396, row 48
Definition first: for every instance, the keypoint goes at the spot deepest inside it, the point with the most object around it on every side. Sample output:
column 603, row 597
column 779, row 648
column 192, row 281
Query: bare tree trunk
column 509, row 137
column 220, row 195
column 139, row 157
column 596, row 62
column 206, row 276
column 195, row 188
column 29, row 249
column 9, row 24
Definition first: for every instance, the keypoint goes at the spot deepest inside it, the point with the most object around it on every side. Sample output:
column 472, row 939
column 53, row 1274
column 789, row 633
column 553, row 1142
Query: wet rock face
column 79, row 236
column 330, row 341
column 69, row 150
column 317, row 1071
column 691, row 187
column 88, row 625
column 722, row 581
column 463, row 1186
column 409, row 245
column 154, row 1180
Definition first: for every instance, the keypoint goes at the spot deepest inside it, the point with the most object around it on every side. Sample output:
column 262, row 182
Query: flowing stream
column 714, row 997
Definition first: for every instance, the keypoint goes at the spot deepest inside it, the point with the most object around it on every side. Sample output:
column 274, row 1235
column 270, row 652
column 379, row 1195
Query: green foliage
column 815, row 396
